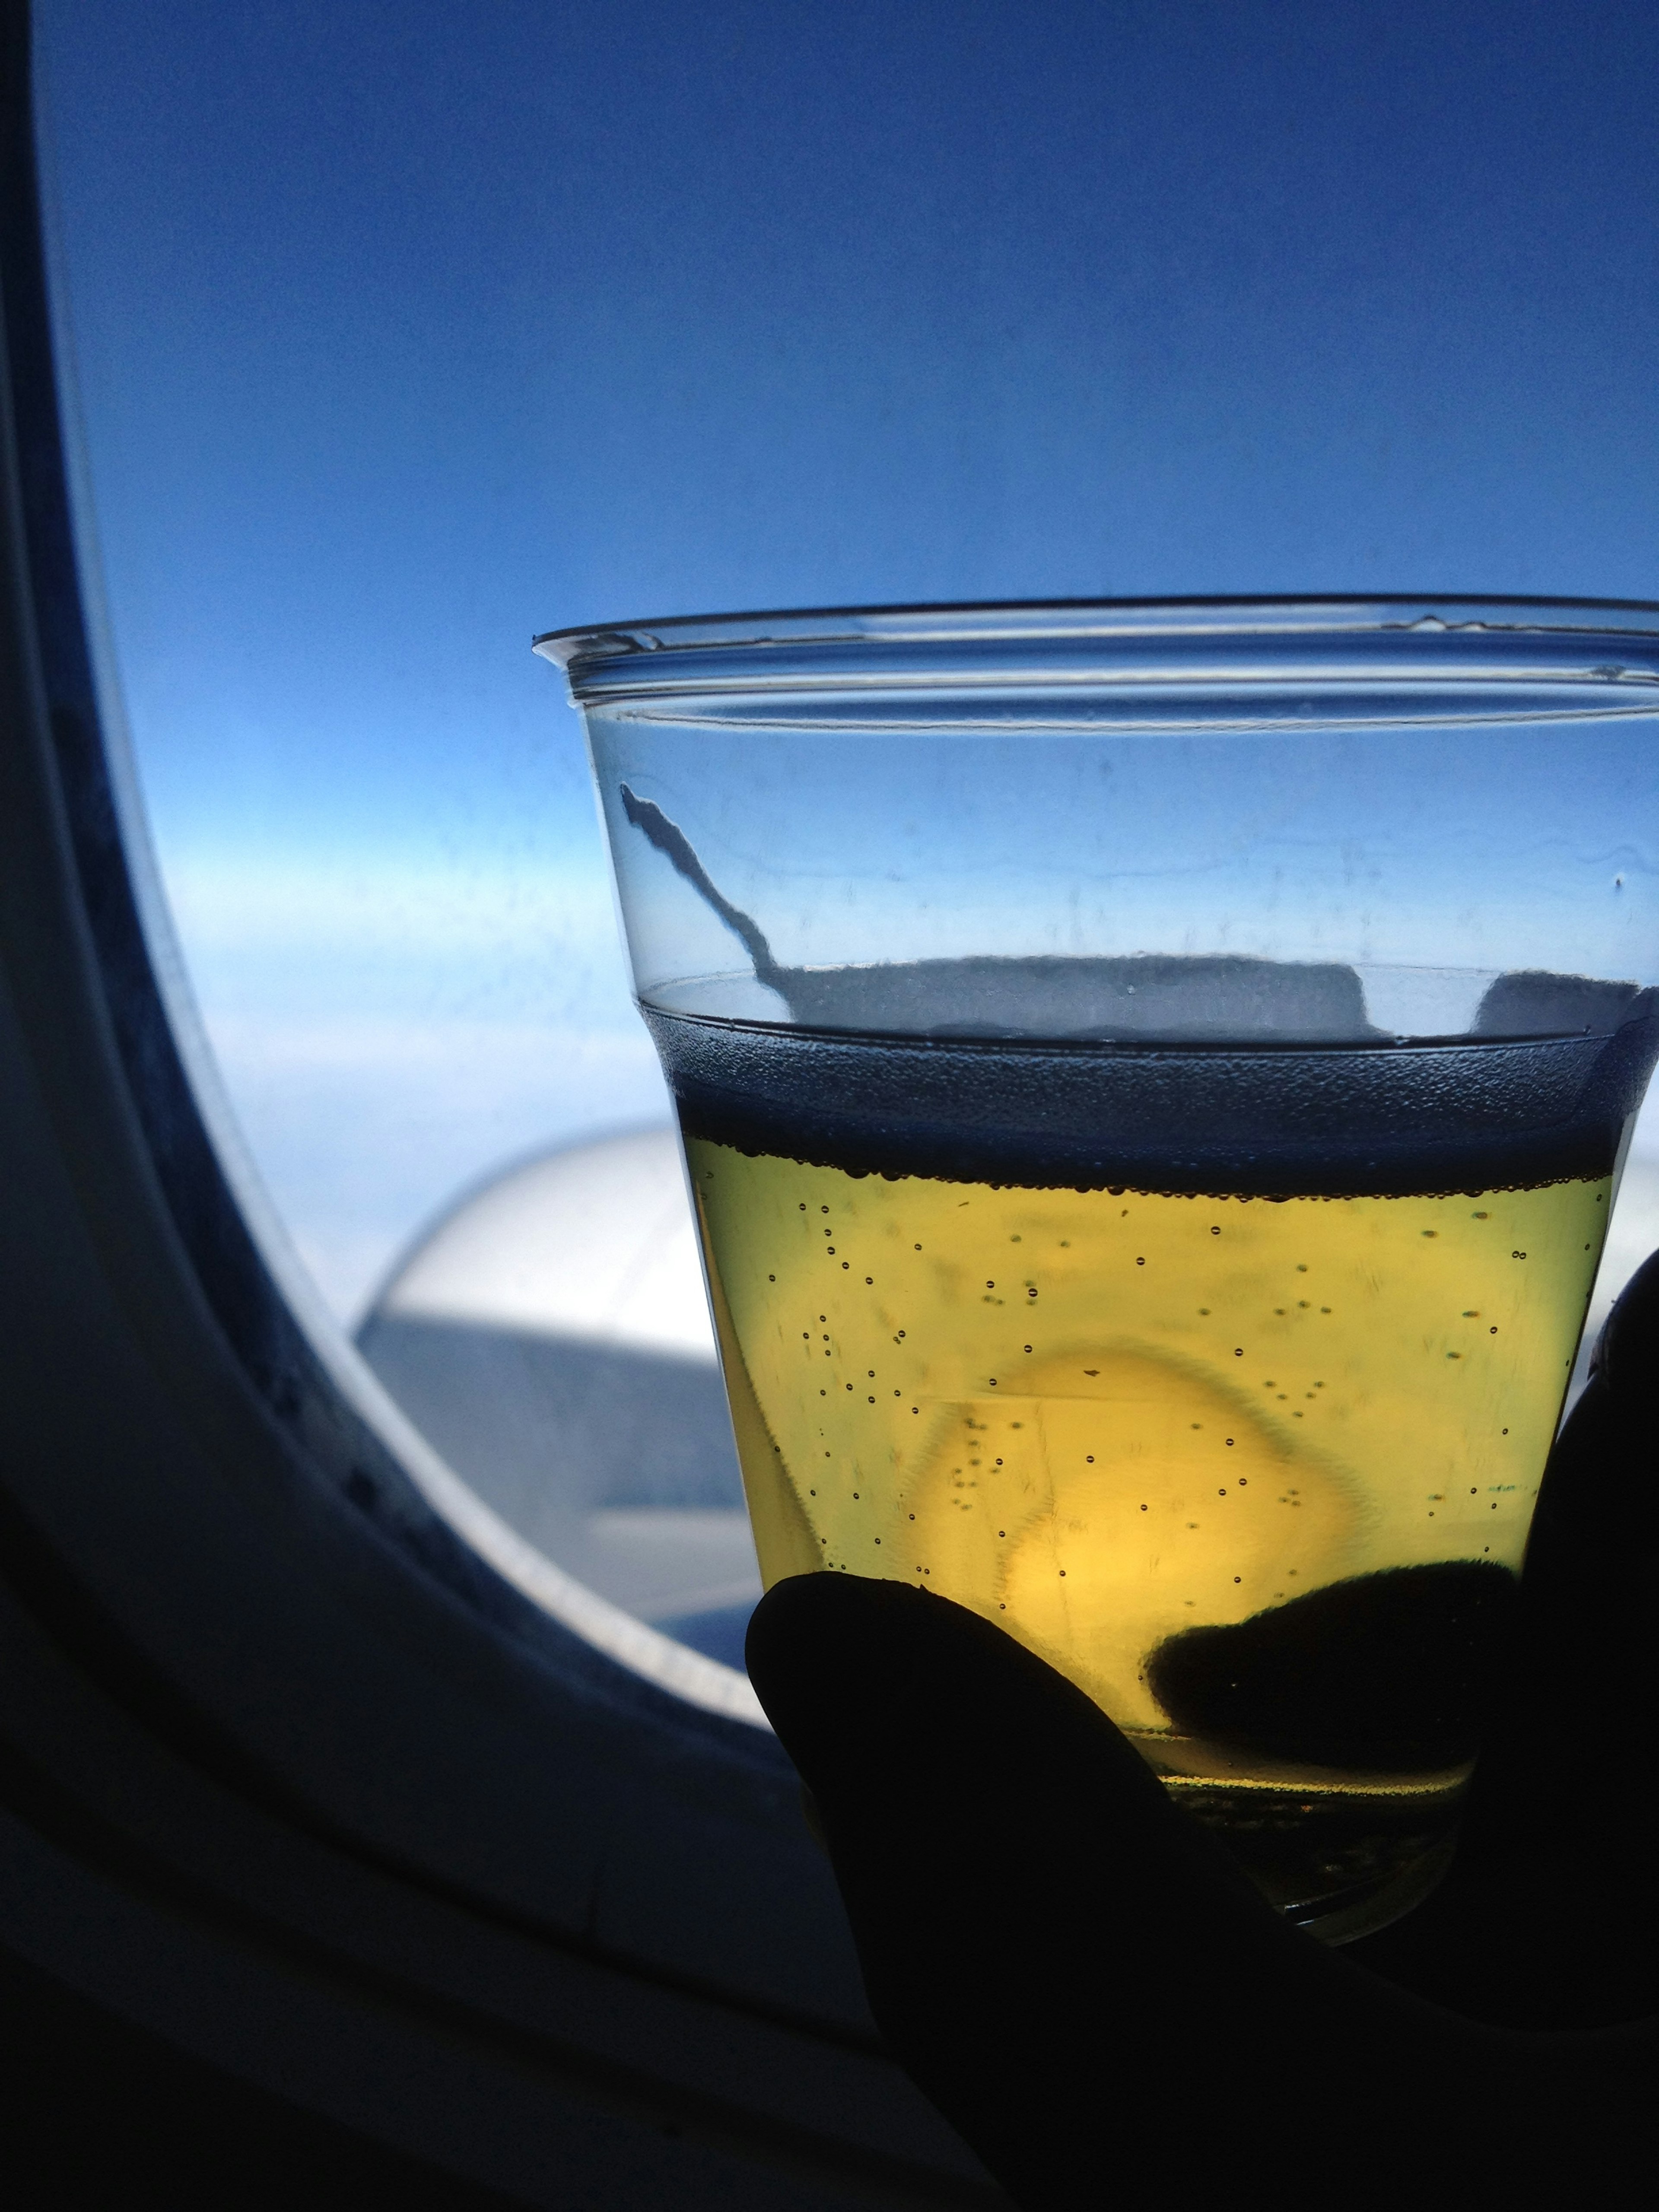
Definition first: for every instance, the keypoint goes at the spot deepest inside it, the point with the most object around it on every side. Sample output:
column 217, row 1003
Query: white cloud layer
column 389, row 1030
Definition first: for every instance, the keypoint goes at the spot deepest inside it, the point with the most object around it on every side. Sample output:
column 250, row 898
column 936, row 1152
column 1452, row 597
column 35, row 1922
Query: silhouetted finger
column 1079, row 1976
column 1601, row 1490
column 1548, row 1918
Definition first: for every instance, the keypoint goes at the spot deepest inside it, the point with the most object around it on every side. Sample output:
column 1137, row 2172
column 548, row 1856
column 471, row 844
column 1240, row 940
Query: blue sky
column 404, row 330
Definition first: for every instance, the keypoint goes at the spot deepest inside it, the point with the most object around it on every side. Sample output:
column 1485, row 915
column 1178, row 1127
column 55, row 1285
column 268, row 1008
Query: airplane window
column 404, row 332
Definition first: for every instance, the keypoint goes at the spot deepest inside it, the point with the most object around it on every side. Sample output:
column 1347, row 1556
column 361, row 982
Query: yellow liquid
column 1104, row 1419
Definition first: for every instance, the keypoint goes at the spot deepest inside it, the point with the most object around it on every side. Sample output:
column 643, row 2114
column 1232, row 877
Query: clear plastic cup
column 1154, row 1080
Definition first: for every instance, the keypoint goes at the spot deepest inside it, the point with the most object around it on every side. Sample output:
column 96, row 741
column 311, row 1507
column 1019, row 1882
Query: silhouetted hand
column 1085, row 1985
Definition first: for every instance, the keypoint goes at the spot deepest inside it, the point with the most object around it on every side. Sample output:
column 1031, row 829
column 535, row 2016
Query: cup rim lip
column 1217, row 614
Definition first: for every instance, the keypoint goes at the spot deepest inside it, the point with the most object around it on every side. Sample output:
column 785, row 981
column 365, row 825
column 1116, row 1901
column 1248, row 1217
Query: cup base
column 1377, row 1904
column 1338, row 1858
